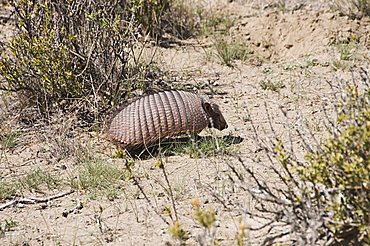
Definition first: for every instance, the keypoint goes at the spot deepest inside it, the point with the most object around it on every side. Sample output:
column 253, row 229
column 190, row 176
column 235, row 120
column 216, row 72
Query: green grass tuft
column 230, row 51
column 98, row 177
column 39, row 179
column 272, row 86
column 9, row 140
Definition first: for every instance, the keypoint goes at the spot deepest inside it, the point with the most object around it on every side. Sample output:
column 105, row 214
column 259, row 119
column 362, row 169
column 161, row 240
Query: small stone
column 288, row 46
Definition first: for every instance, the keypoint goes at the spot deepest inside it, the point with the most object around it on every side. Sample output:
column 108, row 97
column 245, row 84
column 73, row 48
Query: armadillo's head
column 217, row 120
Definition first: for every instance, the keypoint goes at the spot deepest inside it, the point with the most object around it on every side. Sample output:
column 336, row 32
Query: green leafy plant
column 177, row 232
column 267, row 84
column 205, row 217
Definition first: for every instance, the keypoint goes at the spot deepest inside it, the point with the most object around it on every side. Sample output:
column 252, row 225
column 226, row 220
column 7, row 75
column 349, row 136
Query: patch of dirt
column 298, row 49
column 290, row 36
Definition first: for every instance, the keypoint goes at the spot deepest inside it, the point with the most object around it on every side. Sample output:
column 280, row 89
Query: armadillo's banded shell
column 152, row 117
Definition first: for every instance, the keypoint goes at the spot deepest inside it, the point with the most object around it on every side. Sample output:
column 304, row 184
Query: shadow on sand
column 195, row 146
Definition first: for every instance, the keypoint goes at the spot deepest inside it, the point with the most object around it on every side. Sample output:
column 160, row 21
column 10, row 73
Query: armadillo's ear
column 208, row 108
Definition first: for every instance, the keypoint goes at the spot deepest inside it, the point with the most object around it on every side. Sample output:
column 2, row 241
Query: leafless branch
column 33, row 200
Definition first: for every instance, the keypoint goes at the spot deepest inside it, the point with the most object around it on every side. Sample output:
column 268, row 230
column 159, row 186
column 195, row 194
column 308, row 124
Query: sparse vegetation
column 178, row 233
column 7, row 225
column 194, row 146
column 267, row 84
column 199, row 147
column 8, row 140
column 204, row 146
column 331, row 187
column 241, row 235
column 348, row 50
column 341, row 166
column 7, row 190
column 215, row 23
column 39, row 180
column 313, row 63
column 345, row 52
column 98, row 178
column 230, row 51
column 353, row 8
column 53, row 58
column 206, row 218
column 282, row 6
column 182, row 20
column 148, row 15
column 35, row 180
column 339, row 65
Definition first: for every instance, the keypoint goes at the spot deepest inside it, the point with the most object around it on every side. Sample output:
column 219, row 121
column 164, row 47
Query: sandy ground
column 295, row 48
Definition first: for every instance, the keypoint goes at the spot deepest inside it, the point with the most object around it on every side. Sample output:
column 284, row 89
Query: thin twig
column 33, row 200
column 169, row 188
column 88, row 60
column 136, row 183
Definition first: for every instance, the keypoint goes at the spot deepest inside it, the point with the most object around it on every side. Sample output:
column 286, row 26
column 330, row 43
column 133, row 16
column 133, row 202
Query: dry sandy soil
column 294, row 47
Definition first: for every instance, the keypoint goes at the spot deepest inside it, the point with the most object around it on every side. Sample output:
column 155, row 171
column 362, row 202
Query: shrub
column 79, row 55
column 326, row 196
column 68, row 52
column 182, row 19
column 156, row 18
column 148, row 15
column 342, row 166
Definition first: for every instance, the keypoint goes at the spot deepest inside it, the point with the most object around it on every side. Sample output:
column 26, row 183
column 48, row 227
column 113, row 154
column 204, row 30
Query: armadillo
column 163, row 114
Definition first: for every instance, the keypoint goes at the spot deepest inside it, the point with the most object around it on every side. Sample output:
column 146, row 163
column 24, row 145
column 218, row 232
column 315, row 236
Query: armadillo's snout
column 220, row 122
column 223, row 126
